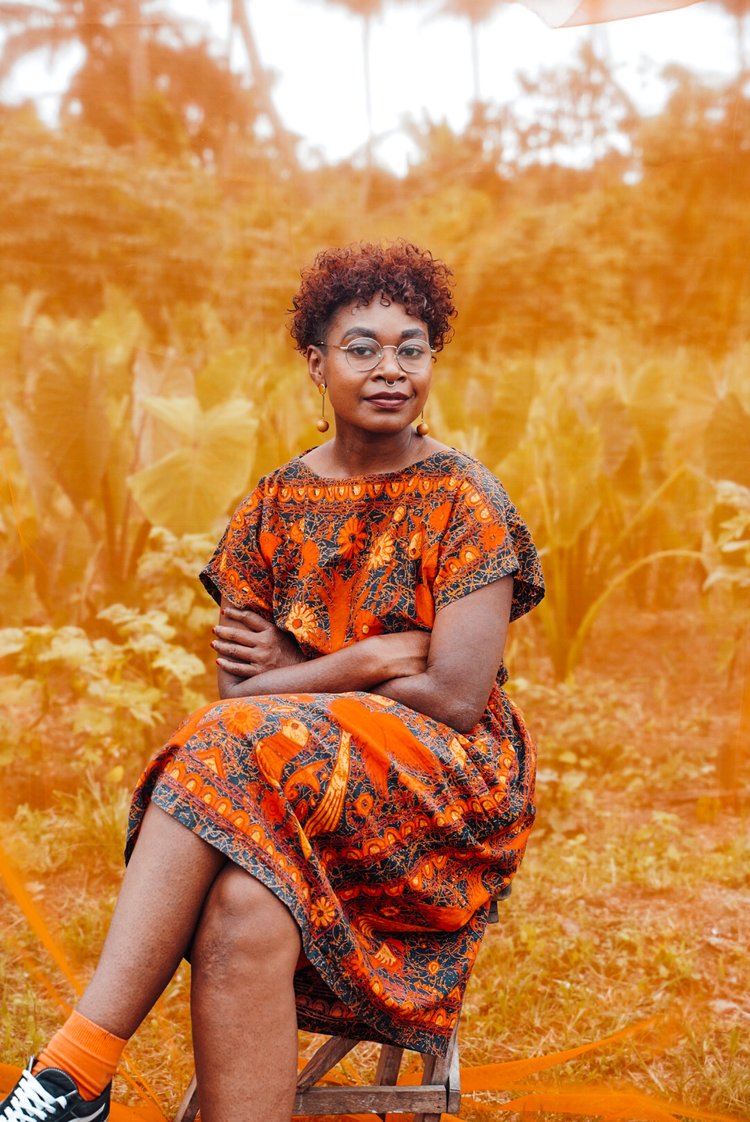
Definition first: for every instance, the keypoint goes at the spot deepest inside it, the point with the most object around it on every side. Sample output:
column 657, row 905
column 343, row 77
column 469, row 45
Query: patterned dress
column 385, row 832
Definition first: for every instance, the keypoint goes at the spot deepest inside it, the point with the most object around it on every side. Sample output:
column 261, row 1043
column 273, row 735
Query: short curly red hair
column 355, row 274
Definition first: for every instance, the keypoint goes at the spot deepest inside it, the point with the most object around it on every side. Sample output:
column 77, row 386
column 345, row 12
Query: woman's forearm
column 466, row 650
column 360, row 666
column 451, row 706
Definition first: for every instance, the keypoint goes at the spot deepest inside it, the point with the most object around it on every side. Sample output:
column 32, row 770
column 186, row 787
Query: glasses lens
column 363, row 354
column 413, row 356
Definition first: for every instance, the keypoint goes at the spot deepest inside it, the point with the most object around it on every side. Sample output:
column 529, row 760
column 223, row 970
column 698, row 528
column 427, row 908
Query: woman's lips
column 389, row 400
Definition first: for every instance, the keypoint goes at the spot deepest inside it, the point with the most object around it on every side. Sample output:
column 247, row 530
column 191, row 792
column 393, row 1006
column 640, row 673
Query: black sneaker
column 51, row 1096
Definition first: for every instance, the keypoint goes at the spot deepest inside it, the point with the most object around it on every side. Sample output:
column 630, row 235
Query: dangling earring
column 322, row 424
column 423, row 428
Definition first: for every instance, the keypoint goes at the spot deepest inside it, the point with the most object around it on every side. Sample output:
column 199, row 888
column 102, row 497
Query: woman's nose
column 388, row 365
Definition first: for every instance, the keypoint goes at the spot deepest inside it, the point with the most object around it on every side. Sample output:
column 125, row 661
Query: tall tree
column 476, row 12
column 263, row 82
column 576, row 116
column 367, row 9
column 139, row 79
column 101, row 27
column 739, row 9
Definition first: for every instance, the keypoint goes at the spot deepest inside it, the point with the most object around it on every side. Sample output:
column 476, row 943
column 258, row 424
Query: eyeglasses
column 413, row 355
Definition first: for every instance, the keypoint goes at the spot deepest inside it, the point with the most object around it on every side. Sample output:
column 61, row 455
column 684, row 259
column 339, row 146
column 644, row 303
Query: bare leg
column 244, row 1018
column 165, row 886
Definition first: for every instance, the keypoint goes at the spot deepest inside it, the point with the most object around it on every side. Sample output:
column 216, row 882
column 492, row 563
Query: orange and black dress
column 383, row 831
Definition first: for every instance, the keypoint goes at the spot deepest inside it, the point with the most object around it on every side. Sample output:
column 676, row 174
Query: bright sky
column 421, row 62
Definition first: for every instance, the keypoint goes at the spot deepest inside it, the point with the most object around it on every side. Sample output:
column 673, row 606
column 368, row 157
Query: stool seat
column 438, row 1093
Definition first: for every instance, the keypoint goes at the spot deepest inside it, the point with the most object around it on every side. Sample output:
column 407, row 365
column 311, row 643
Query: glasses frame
column 383, row 348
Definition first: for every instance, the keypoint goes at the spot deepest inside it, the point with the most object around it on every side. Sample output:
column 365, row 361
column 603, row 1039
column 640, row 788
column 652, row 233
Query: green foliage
column 110, row 437
column 599, row 367
column 167, row 582
column 63, row 685
column 113, row 437
column 188, row 488
column 728, row 547
column 77, row 218
column 628, row 905
column 604, row 489
column 139, row 81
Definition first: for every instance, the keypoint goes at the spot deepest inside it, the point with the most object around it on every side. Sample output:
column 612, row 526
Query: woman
column 325, row 841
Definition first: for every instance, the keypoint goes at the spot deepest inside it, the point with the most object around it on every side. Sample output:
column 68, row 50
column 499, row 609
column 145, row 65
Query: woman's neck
column 352, row 454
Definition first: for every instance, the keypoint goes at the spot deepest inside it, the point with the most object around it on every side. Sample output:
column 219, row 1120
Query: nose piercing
column 393, row 383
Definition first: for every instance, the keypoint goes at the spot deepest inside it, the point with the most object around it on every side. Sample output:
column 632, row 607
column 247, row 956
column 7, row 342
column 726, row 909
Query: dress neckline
column 341, row 479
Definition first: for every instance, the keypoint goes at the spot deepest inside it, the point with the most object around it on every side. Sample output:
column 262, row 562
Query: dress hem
column 173, row 799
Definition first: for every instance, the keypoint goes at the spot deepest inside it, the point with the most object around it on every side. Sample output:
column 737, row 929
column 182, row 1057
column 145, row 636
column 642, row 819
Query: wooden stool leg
column 446, row 1070
column 389, row 1065
column 326, row 1058
column 189, row 1107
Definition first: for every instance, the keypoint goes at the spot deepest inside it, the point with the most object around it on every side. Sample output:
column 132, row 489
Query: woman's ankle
column 85, row 1051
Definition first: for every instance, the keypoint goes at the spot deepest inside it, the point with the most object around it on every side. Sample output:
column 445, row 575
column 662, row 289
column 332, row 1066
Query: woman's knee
column 244, row 928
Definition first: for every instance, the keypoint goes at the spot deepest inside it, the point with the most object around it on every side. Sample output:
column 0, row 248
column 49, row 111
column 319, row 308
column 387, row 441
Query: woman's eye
column 412, row 350
column 362, row 350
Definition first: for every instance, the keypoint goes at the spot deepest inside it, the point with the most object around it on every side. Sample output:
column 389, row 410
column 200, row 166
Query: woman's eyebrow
column 368, row 333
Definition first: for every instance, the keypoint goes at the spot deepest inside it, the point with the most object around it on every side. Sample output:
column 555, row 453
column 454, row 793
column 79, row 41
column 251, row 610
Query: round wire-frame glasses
column 363, row 354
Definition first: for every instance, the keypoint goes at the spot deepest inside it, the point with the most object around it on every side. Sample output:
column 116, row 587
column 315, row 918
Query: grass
column 632, row 905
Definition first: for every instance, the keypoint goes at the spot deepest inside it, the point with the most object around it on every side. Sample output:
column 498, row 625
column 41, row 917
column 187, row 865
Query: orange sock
column 87, row 1053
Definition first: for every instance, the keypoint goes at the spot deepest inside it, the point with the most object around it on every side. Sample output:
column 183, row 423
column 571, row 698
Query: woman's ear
column 315, row 362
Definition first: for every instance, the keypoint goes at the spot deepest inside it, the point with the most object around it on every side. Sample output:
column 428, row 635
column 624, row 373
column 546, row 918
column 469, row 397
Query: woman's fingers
column 237, row 635
column 238, row 652
column 251, row 620
column 236, row 669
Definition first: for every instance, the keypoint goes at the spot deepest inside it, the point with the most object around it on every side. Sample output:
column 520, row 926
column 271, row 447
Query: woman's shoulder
column 468, row 472
column 270, row 482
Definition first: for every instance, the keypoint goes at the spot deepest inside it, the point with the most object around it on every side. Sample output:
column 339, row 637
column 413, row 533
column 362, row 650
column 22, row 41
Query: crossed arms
column 447, row 673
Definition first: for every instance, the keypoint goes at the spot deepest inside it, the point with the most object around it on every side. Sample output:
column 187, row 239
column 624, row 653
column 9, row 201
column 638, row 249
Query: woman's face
column 383, row 400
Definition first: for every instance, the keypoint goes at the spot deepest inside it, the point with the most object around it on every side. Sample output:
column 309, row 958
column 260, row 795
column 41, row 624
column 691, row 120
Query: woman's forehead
column 380, row 316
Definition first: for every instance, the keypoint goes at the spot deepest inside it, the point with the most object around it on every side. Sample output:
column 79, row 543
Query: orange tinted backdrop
column 151, row 243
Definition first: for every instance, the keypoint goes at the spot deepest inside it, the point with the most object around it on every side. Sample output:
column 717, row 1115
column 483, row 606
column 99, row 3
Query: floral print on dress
column 385, row 832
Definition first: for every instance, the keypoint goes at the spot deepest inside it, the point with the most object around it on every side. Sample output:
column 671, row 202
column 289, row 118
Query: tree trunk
column 474, row 38
column 741, row 56
column 138, row 58
column 366, row 35
column 262, row 81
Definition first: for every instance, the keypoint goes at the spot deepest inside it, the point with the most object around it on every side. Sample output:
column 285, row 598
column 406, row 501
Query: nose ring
column 393, row 383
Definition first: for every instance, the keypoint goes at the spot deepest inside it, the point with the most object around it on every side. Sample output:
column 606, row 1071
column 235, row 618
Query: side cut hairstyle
column 355, row 274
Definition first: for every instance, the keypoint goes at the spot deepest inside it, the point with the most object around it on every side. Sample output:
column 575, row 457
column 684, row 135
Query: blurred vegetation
column 149, row 247
column 600, row 348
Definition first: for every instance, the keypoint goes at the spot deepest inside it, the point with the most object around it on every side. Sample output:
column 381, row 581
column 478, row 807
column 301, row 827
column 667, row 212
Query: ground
column 632, row 907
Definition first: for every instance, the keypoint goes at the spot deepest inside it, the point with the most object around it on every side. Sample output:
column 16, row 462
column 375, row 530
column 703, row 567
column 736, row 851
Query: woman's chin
column 386, row 424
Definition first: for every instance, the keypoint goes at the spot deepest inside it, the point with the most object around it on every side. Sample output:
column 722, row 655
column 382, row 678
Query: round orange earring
column 423, row 428
column 322, row 424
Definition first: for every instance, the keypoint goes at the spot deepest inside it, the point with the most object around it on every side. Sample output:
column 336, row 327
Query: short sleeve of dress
column 239, row 569
column 486, row 539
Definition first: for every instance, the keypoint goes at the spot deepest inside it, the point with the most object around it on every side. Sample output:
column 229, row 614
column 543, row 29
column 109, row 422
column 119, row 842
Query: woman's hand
column 358, row 666
column 247, row 644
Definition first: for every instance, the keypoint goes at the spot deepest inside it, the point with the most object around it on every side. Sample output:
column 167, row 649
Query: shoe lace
column 30, row 1102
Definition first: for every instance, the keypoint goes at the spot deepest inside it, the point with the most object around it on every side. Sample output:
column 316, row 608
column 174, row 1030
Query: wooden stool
column 438, row 1093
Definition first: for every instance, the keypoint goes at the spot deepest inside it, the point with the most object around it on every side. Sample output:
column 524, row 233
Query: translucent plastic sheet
column 573, row 13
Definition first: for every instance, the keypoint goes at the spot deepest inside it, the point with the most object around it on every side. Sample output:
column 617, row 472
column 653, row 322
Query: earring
column 423, row 428
column 322, row 424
